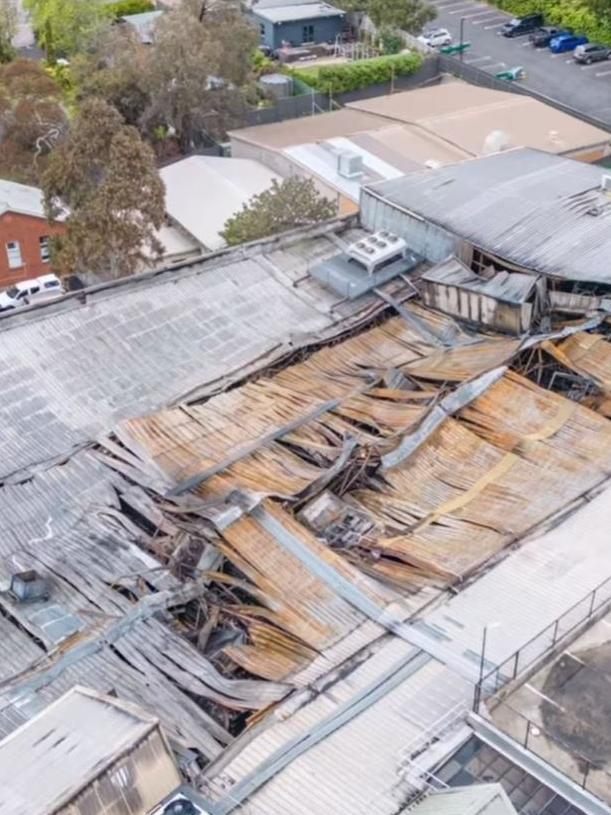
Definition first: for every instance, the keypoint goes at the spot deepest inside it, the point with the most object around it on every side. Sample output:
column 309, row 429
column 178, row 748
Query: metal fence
column 543, row 643
column 591, row 775
column 291, row 107
column 313, row 102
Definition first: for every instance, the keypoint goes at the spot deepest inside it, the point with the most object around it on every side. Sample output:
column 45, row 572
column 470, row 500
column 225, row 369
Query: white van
column 30, row 291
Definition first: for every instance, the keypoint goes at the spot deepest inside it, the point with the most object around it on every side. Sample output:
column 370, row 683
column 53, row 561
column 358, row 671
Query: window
column 262, row 30
column 45, row 249
column 13, row 252
column 308, row 33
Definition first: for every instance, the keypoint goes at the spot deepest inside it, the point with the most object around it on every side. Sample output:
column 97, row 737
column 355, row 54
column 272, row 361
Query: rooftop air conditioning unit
column 377, row 250
column 349, row 165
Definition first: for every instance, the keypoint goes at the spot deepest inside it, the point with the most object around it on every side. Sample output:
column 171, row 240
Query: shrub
column 565, row 13
column 390, row 41
column 352, row 76
column 261, row 64
column 122, row 8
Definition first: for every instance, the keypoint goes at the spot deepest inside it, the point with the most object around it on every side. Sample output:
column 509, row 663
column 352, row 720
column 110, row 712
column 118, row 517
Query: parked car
column 592, row 52
column 38, row 288
column 541, row 37
column 522, row 25
column 436, row 39
column 566, row 42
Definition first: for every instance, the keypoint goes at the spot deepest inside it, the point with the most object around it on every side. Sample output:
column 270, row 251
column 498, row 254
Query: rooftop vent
column 605, row 183
column 27, row 587
column 495, row 142
column 349, row 165
column 375, row 251
column 181, row 806
column 180, row 803
column 432, row 164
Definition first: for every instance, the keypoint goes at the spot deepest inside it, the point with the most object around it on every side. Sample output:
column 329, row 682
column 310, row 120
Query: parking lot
column 585, row 88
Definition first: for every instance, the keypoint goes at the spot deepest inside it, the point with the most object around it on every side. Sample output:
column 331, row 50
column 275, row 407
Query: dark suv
column 591, row 52
column 541, row 37
column 522, row 25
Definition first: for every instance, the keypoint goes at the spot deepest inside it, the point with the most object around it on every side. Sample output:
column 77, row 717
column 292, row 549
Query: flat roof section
column 465, row 115
column 563, row 712
column 308, row 128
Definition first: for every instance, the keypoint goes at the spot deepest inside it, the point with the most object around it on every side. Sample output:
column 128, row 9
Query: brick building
column 24, row 233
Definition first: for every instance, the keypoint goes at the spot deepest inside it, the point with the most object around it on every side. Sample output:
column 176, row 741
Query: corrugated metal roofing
column 541, row 212
column 47, row 760
column 69, row 370
column 510, row 287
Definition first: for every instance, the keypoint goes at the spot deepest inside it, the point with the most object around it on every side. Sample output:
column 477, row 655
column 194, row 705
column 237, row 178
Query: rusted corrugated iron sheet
column 487, row 476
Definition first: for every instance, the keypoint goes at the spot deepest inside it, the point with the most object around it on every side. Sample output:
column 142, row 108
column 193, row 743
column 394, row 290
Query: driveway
column 585, row 88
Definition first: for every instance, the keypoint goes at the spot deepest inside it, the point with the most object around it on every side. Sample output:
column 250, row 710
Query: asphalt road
column 584, row 88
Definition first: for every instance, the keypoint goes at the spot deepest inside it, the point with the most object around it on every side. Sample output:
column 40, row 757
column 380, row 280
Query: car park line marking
column 479, row 13
column 603, row 73
column 497, row 65
column 475, row 14
column 461, row 3
column 526, row 44
column 475, row 59
column 461, row 10
column 569, row 60
column 498, row 25
column 589, row 67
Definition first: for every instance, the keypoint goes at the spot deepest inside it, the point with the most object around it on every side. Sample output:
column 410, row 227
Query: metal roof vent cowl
column 27, row 587
column 180, row 803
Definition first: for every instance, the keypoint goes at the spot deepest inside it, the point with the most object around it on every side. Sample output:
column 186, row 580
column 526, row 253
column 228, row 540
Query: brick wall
column 26, row 231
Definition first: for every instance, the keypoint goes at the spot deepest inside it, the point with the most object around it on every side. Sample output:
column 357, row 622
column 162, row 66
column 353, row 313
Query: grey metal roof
column 304, row 11
column 43, row 763
column 70, row 370
column 511, row 287
column 537, row 210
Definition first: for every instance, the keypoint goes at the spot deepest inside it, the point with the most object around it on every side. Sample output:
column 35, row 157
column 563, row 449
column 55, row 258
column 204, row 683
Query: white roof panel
column 21, row 198
column 202, row 192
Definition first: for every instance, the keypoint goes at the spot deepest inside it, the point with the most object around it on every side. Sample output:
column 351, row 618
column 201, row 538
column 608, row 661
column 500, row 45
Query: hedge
column 352, row 76
column 565, row 13
column 122, row 8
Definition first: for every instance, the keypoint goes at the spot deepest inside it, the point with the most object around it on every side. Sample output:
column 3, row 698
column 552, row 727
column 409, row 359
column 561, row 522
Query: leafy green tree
column 403, row 15
column 105, row 178
column 287, row 205
column 197, row 72
column 63, row 27
column 9, row 18
column 114, row 68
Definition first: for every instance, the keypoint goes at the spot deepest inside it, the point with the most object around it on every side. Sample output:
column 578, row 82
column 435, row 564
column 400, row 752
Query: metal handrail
column 554, row 629
column 531, row 728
